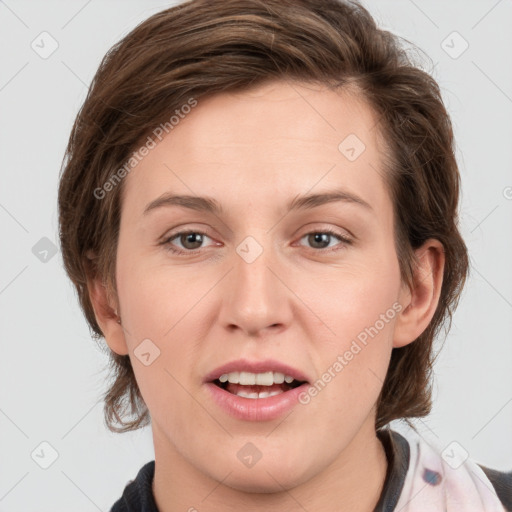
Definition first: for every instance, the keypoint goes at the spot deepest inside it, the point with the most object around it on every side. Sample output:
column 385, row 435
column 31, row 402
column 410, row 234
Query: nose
column 255, row 297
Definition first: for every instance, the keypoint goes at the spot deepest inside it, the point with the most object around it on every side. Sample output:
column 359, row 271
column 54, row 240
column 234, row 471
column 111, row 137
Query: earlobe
column 420, row 302
column 105, row 310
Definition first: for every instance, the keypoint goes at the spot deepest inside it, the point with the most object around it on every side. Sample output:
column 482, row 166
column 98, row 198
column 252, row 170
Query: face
column 268, row 277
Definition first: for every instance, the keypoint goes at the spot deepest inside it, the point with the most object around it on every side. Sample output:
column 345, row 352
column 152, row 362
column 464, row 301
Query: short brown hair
column 200, row 48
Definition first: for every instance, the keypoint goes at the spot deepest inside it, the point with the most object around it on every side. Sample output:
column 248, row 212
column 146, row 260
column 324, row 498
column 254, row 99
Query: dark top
column 138, row 494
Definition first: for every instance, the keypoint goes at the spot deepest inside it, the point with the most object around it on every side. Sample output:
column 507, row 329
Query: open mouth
column 273, row 391
column 251, row 390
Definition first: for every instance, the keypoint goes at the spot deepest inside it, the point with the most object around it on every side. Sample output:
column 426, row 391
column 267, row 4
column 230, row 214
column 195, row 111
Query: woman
column 258, row 208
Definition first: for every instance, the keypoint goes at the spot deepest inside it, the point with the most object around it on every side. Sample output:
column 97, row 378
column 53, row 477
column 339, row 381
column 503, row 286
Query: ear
column 105, row 310
column 419, row 303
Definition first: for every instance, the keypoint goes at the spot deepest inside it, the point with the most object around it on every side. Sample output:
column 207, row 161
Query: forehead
column 280, row 139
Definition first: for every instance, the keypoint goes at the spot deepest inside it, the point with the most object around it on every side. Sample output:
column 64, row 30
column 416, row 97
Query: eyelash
column 171, row 248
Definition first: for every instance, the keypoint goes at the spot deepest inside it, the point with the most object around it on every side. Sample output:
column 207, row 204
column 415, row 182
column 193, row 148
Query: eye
column 191, row 241
column 321, row 239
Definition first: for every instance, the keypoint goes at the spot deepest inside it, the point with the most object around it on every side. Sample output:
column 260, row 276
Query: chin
column 265, row 476
column 259, row 483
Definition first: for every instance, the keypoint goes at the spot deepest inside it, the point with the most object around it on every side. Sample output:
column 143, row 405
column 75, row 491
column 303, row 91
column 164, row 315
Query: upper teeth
column 261, row 379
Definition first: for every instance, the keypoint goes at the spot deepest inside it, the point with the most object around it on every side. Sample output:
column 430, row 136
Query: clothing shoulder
column 138, row 494
column 502, row 483
column 444, row 478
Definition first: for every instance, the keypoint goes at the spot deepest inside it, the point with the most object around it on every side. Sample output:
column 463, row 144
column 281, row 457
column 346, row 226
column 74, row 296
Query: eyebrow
column 210, row 205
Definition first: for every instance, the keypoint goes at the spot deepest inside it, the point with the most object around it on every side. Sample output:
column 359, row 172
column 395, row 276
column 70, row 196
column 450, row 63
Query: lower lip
column 256, row 409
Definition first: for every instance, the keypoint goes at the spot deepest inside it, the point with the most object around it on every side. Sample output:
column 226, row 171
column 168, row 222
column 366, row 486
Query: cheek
column 162, row 304
column 160, row 301
column 154, row 297
column 159, row 308
column 353, row 359
column 357, row 299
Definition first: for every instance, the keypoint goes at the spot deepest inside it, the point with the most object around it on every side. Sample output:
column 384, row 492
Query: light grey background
column 52, row 374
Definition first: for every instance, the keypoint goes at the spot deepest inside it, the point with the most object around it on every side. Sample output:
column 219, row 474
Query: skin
column 298, row 302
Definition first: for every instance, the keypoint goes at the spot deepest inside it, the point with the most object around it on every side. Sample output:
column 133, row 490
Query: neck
column 353, row 482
